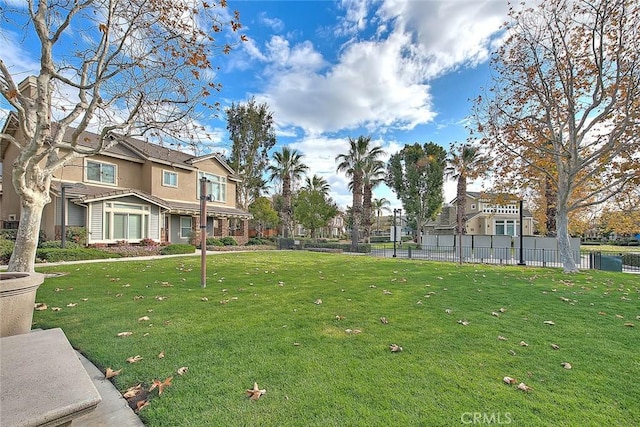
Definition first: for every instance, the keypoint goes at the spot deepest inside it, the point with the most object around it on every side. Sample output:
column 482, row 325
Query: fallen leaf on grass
column 71, row 304
column 602, row 313
column 204, row 299
column 132, row 391
column 501, row 338
column 619, row 316
column 160, row 298
column 555, row 346
column 143, row 319
column 318, row 301
column 463, row 322
column 110, row 373
column 124, row 334
column 549, row 322
column 160, row 385
column 386, row 292
column 84, row 299
column 493, row 313
column 502, row 310
column 134, row 359
column 141, row 404
column 566, row 365
column 119, row 295
column 138, row 297
column 523, row 344
column 384, row 320
column 339, row 317
column 395, row 348
column 524, row 387
column 182, row 371
column 296, row 344
column 509, row 380
column 40, row 306
column 255, row 392
column 629, row 324
column 161, row 355
column 511, row 352
column 55, row 309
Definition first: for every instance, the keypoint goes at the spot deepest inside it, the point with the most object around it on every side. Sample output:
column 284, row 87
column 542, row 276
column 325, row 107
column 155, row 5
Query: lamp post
column 203, row 231
column 521, row 262
column 395, row 229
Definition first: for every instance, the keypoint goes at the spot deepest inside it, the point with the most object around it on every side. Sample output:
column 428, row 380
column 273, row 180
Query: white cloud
column 382, row 82
column 274, row 23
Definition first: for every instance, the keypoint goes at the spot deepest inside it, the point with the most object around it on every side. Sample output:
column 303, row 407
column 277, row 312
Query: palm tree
column 372, row 175
column 379, row 206
column 287, row 168
column 353, row 164
column 466, row 162
column 317, row 183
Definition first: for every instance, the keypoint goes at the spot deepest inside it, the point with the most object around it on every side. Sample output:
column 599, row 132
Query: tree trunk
column 564, row 242
column 356, row 210
column 550, row 198
column 460, row 210
column 366, row 213
column 286, row 209
column 24, row 252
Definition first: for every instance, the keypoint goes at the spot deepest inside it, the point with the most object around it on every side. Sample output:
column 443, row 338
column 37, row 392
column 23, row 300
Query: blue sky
column 398, row 71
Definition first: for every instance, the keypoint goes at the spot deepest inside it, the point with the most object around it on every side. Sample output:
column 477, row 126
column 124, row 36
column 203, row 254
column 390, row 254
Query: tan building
column 133, row 191
column 485, row 214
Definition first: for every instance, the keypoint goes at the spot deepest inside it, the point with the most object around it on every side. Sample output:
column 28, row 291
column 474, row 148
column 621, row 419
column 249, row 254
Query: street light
column 204, row 198
column 521, row 234
column 395, row 229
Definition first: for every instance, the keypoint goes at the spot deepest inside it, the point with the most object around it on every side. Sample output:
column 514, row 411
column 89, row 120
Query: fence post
column 409, row 251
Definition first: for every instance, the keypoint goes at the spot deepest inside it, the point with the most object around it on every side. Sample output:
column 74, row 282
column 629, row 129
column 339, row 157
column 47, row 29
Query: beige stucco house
column 485, row 214
column 133, row 191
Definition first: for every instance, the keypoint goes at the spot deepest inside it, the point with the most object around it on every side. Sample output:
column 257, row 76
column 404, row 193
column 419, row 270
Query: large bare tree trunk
column 24, row 253
column 564, row 242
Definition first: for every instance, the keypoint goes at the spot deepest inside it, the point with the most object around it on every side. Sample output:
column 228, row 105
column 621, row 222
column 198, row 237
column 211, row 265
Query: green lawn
column 446, row 372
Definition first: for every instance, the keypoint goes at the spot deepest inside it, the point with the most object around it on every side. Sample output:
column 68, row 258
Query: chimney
column 29, row 87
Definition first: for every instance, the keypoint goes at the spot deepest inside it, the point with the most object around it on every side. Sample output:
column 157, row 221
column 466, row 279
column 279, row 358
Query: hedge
column 55, row 255
column 632, row 260
column 177, row 248
column 363, row 248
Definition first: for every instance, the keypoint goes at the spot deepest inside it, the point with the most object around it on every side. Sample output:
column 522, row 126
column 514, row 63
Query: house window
column 507, row 227
column 216, row 187
column 169, row 179
column 185, row 226
column 126, row 221
column 104, row 173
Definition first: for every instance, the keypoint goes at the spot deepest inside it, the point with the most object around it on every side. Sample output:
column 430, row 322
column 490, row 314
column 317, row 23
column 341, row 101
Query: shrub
column 177, row 248
column 212, row 241
column 55, row 255
column 229, row 241
column 346, row 247
column 77, row 235
column 134, row 250
column 6, row 249
column 148, row 242
column 256, row 241
column 57, row 244
column 8, row 234
column 632, row 260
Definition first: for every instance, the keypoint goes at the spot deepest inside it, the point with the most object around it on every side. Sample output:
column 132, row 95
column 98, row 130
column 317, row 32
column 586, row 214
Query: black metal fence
column 610, row 261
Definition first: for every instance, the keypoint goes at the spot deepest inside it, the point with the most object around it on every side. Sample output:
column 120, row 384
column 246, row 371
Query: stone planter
column 17, row 299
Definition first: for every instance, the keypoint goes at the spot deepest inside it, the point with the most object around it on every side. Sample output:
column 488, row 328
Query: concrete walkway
column 113, row 411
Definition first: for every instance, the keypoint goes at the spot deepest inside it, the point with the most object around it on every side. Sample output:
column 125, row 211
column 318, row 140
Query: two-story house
column 133, row 191
column 485, row 214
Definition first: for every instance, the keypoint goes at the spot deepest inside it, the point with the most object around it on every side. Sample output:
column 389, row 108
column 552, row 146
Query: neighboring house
column 485, row 214
column 134, row 191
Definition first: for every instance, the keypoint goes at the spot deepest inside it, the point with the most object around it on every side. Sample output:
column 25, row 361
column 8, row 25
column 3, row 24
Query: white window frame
column 86, row 172
column 166, row 173
column 214, row 180
column 123, row 208
column 506, row 223
column 183, row 236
